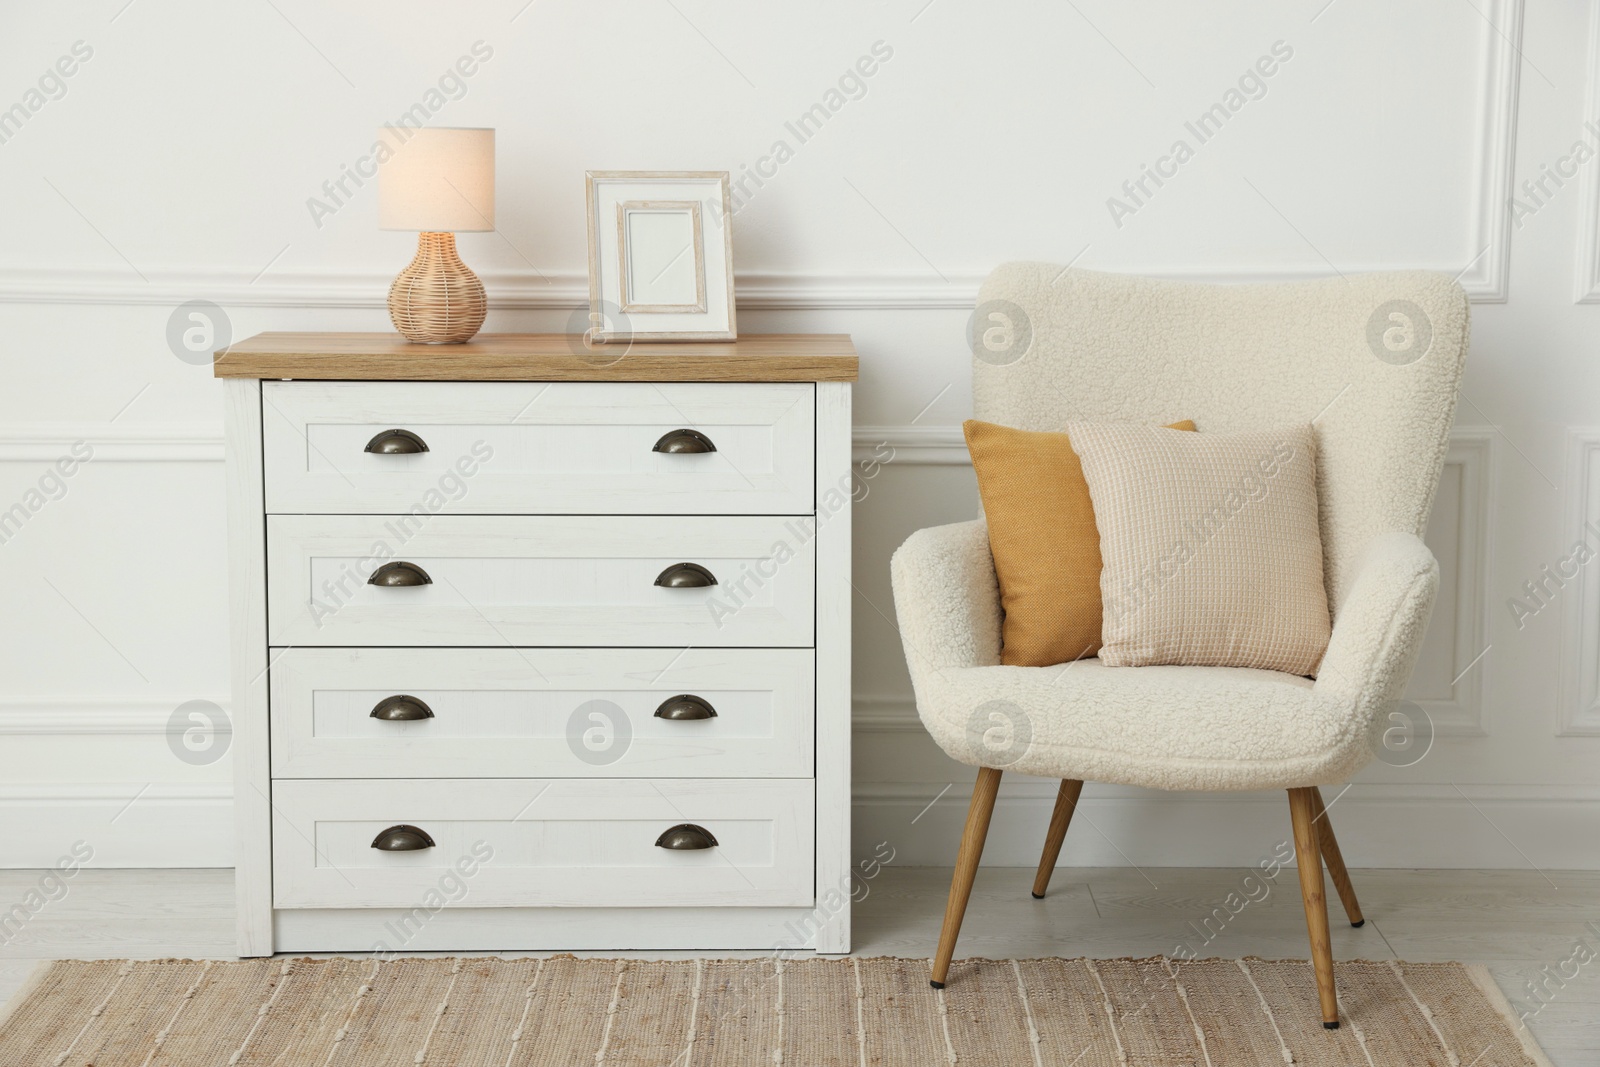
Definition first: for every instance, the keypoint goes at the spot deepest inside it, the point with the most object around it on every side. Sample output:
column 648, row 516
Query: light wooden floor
column 1517, row 922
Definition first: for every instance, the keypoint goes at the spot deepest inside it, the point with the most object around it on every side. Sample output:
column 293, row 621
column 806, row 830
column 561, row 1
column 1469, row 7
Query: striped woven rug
column 565, row 1012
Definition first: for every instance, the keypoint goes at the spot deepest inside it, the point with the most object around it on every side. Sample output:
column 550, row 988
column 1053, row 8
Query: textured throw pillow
column 1212, row 552
column 1044, row 542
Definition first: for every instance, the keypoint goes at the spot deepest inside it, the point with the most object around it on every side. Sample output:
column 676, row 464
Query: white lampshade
column 437, row 179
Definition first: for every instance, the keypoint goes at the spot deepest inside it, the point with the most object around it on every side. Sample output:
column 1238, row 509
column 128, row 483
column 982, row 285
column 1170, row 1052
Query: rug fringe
column 1490, row 989
column 34, row 980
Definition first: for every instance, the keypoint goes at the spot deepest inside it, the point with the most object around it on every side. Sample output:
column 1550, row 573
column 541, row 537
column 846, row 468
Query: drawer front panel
column 538, row 448
column 514, row 580
column 532, row 842
column 545, row 713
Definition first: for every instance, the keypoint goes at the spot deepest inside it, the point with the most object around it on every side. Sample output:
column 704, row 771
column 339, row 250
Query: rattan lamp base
column 437, row 299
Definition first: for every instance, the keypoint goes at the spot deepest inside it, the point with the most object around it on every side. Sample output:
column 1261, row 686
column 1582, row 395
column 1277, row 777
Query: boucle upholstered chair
column 1373, row 361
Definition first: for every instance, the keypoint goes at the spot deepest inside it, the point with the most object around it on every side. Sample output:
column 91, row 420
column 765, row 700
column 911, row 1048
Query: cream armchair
column 1374, row 362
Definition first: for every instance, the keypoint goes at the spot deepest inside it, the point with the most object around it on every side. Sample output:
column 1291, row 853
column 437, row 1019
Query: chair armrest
column 1378, row 631
column 947, row 598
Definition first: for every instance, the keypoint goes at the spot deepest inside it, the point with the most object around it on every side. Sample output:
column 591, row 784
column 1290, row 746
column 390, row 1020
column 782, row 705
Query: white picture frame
column 660, row 256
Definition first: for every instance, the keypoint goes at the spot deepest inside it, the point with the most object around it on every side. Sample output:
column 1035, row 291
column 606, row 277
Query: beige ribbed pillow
column 1212, row 553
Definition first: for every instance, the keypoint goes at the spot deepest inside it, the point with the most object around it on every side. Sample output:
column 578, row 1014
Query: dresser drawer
column 542, row 712
column 531, row 842
column 539, row 448
column 523, row 580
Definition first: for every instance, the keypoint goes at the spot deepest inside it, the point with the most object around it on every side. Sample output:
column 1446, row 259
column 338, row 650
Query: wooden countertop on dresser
column 548, row 357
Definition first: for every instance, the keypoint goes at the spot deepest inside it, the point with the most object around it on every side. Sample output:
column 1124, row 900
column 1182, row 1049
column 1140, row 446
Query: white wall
column 180, row 161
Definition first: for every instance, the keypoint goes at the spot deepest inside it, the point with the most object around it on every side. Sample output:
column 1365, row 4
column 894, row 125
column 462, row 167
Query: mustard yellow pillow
column 1044, row 541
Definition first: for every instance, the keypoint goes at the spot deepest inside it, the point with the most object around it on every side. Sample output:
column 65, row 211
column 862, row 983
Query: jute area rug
column 566, row 1012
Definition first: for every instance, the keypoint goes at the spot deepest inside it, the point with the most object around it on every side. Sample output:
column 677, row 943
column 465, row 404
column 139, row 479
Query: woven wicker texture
column 437, row 299
column 561, row 1012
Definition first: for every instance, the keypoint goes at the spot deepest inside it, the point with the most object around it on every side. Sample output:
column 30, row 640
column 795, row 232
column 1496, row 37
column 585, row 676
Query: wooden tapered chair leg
column 972, row 838
column 1335, row 861
column 1303, row 807
column 1060, row 819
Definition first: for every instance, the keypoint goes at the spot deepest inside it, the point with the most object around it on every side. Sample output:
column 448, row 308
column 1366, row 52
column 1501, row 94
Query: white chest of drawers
column 538, row 650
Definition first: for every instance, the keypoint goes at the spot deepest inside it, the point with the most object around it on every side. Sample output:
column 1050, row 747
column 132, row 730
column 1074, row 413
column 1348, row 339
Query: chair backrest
column 1372, row 360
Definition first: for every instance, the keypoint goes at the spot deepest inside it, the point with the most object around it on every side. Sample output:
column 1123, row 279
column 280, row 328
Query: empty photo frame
column 660, row 256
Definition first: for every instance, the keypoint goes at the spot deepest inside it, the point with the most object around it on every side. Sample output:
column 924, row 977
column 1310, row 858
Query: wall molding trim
column 1487, row 278
column 132, row 442
column 942, row 445
column 910, row 446
column 525, row 290
column 51, row 716
column 104, row 793
column 945, row 446
column 1027, row 788
column 568, row 291
column 1484, row 278
column 1461, row 714
column 516, row 290
column 1580, row 631
column 1586, row 273
column 883, row 713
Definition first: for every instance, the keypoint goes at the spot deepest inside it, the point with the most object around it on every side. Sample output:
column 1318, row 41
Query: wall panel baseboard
column 126, row 824
column 1526, row 827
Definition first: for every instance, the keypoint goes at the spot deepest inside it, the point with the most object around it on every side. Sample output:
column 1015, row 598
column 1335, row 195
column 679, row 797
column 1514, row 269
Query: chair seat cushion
column 1164, row 727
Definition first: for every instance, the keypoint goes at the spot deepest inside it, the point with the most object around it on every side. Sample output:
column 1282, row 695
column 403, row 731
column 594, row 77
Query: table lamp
column 438, row 181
